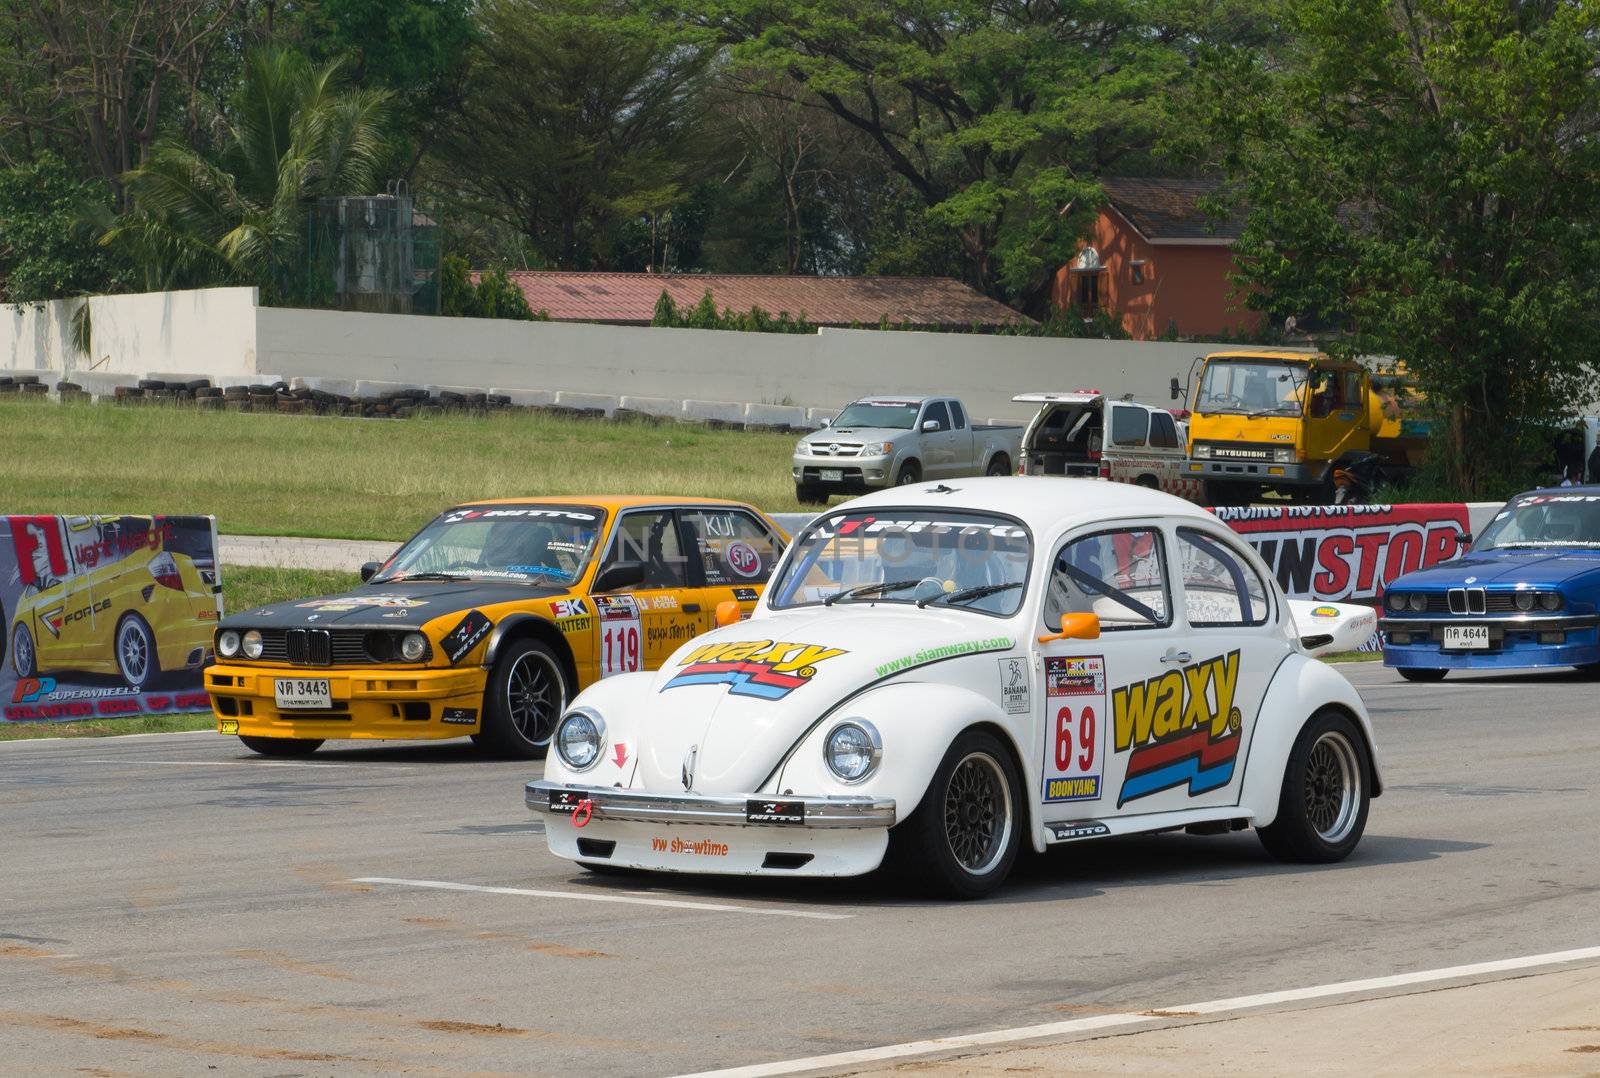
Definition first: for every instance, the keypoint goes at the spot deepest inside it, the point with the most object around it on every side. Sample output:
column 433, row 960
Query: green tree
column 1426, row 173
column 44, row 251
column 578, row 122
column 998, row 116
column 492, row 295
column 235, row 209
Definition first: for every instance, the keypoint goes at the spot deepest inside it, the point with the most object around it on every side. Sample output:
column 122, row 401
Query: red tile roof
column 1167, row 209
column 831, row 301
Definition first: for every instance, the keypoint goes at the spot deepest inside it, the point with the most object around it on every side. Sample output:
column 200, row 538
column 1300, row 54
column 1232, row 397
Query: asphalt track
column 171, row 904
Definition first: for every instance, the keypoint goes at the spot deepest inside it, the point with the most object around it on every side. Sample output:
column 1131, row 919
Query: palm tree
column 235, row 213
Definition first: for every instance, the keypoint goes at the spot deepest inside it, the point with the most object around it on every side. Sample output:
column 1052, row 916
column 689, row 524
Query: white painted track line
column 625, row 899
column 137, row 761
column 869, row 1056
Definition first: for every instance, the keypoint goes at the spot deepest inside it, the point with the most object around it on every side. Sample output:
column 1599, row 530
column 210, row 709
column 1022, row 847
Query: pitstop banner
column 1349, row 553
column 106, row 616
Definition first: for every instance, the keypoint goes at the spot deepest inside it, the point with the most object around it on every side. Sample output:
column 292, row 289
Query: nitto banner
column 1349, row 553
column 105, row 616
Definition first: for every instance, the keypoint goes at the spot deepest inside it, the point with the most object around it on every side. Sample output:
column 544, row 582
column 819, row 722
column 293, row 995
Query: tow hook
column 585, row 809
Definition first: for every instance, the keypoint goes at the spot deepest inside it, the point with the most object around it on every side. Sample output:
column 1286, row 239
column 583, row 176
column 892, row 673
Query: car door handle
column 1175, row 657
column 691, row 608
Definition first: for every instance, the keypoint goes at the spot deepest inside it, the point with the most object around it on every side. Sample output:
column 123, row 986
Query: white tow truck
column 1086, row 433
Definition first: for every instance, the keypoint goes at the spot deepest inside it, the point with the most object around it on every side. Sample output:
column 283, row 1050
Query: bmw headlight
column 579, row 738
column 252, row 644
column 413, row 646
column 1396, row 600
column 1550, row 600
column 1524, row 600
column 1417, row 601
column 853, row 750
column 228, row 643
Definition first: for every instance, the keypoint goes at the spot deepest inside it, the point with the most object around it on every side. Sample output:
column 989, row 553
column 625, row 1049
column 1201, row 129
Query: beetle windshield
column 964, row 561
column 1541, row 521
column 1251, row 386
column 895, row 415
column 538, row 544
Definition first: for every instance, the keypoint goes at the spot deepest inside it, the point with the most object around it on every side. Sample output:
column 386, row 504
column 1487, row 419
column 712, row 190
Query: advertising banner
column 1349, row 553
column 105, row 617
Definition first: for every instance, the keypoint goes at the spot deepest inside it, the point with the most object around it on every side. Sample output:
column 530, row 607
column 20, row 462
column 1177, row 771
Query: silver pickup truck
column 881, row 442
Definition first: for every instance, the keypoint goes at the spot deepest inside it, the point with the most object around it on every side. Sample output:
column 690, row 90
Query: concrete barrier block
column 663, row 406
column 102, row 385
column 775, row 415
column 338, row 386
column 527, row 398
column 717, row 411
column 365, row 388
column 602, row 401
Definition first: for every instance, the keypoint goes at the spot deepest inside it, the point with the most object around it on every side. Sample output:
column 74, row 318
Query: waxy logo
column 766, row 669
column 1182, row 727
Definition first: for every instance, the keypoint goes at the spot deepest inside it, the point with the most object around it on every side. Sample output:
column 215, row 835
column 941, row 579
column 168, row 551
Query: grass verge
column 360, row 478
column 242, row 588
column 1354, row 657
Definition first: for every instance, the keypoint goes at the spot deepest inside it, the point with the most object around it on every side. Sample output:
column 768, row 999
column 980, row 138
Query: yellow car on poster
column 488, row 621
column 111, row 595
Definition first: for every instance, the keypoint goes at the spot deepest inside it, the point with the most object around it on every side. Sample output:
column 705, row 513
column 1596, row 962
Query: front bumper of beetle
column 736, row 810
column 716, row 834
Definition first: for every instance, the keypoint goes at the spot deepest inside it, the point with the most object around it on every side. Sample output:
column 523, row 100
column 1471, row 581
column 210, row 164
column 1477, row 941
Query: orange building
column 1154, row 257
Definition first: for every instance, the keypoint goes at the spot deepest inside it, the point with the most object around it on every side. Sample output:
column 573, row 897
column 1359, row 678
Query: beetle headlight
column 1524, row 600
column 413, row 646
column 579, row 738
column 252, row 644
column 853, row 750
column 228, row 643
column 1550, row 600
column 1417, row 601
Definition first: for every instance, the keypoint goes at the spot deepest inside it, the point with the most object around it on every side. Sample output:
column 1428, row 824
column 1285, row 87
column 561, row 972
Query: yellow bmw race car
column 128, row 596
column 488, row 621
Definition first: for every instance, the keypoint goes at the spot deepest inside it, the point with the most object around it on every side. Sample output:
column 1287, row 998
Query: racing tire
column 806, row 494
column 524, row 699
column 281, row 746
column 134, row 646
column 910, row 472
column 963, row 838
column 24, row 656
column 1322, row 809
column 1000, row 465
column 1421, row 673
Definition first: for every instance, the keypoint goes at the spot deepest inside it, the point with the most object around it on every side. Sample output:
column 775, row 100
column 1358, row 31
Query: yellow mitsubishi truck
column 1284, row 420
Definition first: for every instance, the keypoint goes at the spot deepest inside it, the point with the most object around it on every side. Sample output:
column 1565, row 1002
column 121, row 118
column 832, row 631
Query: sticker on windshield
column 742, row 559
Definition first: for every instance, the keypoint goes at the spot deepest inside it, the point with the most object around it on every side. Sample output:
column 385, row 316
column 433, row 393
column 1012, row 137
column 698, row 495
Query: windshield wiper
column 422, row 576
column 868, row 589
column 969, row 593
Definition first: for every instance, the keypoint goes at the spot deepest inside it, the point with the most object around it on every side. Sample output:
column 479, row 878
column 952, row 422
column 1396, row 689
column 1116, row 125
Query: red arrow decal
column 622, row 754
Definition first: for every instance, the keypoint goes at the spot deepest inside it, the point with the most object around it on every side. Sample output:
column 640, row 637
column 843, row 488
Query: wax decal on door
column 621, row 635
column 1075, row 737
column 1179, row 728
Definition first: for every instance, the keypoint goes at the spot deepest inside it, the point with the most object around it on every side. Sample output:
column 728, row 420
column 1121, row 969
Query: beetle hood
column 742, row 695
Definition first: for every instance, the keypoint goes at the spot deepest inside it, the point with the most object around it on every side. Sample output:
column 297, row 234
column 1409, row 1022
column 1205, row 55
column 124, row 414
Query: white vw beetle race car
column 937, row 675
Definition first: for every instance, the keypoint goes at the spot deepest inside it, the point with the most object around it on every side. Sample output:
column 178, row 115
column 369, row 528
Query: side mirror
column 1464, row 539
column 728, row 613
column 930, row 425
column 1076, row 627
column 619, row 575
column 1177, row 389
column 368, row 570
column 826, row 422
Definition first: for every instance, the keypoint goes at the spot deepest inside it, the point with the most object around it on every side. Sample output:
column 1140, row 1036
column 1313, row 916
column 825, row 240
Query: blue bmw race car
column 1525, row 595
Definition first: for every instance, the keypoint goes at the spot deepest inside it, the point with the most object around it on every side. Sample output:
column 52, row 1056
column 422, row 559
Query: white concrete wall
column 209, row 331
column 220, row 333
